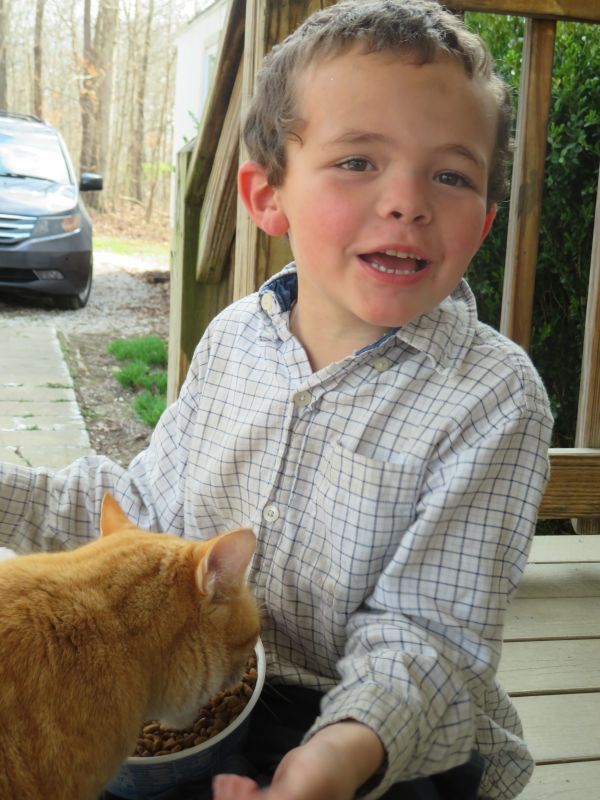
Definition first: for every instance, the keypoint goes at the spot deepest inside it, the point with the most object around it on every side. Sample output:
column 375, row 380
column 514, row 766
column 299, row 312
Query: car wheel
column 72, row 302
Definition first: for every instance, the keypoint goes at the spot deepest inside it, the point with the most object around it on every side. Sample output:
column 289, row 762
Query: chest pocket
column 352, row 523
column 365, row 506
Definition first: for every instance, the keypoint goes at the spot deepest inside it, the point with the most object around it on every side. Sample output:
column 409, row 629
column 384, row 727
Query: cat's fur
column 97, row 640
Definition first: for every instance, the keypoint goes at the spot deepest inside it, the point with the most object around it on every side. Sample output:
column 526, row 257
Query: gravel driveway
column 128, row 294
column 130, row 297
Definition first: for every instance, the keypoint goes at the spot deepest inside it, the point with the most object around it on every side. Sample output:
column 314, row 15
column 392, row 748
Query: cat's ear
column 224, row 565
column 112, row 517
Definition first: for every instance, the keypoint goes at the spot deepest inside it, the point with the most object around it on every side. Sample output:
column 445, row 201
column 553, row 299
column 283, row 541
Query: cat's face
column 216, row 656
column 208, row 617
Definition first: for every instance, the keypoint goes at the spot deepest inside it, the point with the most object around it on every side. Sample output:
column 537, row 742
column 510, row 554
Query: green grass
column 131, row 247
column 150, row 350
column 148, row 407
column 144, row 372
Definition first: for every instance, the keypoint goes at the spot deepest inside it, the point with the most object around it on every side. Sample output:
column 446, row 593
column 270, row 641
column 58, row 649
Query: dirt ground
column 112, row 427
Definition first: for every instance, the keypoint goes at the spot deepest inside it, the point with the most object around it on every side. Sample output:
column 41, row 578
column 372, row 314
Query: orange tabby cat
column 97, row 640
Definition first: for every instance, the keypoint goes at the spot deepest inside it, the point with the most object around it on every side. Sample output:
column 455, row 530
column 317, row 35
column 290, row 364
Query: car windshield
column 33, row 154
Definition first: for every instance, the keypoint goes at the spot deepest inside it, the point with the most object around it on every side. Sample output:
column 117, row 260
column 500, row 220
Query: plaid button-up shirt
column 394, row 496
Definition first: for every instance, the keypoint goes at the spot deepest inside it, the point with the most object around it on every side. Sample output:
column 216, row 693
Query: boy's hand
column 330, row 766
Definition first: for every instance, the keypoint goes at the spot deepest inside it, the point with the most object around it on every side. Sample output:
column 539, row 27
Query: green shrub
column 143, row 371
column 148, row 407
column 150, row 349
column 572, row 159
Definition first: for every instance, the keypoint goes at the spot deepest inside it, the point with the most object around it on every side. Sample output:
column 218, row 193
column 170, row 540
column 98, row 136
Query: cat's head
column 215, row 621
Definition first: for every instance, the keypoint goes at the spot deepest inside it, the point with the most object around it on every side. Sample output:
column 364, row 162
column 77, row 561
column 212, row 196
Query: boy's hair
column 415, row 27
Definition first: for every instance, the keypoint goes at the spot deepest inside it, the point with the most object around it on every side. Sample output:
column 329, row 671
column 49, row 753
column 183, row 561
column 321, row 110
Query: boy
column 388, row 449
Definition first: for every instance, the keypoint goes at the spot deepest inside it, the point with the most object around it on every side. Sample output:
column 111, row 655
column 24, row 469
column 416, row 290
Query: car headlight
column 54, row 226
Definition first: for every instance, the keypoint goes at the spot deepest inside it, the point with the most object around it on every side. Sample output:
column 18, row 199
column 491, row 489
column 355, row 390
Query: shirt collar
column 444, row 334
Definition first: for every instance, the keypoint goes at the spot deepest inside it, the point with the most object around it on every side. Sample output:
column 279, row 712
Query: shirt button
column 270, row 513
column 266, row 301
column 302, row 399
column 381, row 364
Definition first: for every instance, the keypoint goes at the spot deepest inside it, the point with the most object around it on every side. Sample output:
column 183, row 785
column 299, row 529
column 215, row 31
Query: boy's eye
column 356, row 164
column 453, row 179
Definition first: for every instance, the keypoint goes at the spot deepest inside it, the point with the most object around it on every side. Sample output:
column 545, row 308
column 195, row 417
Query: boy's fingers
column 234, row 787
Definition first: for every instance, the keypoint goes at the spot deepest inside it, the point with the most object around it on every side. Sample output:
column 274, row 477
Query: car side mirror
column 90, row 182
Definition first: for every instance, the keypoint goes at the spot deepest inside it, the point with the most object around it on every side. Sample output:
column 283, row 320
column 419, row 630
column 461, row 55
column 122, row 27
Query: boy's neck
column 326, row 344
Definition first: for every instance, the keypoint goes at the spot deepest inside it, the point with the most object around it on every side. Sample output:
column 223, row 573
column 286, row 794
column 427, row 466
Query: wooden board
column 550, row 666
column 574, row 487
column 588, row 414
column 564, row 782
column 217, row 102
column 560, row 580
column 561, row 727
column 218, row 214
column 553, row 618
column 582, row 10
column 567, row 549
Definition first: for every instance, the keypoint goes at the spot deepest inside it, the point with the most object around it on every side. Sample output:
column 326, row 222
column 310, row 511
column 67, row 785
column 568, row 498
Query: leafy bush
column 149, row 349
column 572, row 160
column 145, row 360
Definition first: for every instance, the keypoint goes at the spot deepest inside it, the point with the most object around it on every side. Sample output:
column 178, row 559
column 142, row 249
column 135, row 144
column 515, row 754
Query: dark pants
column 281, row 718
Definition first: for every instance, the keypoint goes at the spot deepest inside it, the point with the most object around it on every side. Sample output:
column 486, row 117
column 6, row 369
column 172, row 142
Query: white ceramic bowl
column 144, row 778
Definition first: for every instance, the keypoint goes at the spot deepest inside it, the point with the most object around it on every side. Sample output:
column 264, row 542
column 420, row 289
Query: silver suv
column 45, row 231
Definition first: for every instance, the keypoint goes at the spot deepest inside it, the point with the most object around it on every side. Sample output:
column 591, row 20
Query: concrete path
column 40, row 421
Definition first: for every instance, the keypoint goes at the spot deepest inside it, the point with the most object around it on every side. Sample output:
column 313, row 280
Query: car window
column 36, row 154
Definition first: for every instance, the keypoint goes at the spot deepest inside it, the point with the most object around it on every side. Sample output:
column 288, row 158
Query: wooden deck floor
column 551, row 666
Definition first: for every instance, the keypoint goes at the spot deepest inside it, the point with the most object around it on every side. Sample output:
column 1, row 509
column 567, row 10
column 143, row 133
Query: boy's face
column 384, row 199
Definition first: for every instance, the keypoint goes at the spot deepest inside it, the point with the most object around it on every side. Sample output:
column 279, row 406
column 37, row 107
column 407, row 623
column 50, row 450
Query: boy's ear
column 489, row 218
column 261, row 199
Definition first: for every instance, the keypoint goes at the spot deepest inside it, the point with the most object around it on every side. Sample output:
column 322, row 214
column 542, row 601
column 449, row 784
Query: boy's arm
column 423, row 650
column 333, row 765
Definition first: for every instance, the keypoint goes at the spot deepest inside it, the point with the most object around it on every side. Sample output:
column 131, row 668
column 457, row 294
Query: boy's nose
column 405, row 200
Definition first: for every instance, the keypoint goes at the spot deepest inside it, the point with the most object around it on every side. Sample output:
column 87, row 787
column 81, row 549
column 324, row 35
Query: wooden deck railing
column 219, row 255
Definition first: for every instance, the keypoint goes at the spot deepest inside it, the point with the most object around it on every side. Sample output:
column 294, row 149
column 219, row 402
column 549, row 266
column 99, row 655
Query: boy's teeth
column 381, row 268
column 400, row 254
column 390, row 269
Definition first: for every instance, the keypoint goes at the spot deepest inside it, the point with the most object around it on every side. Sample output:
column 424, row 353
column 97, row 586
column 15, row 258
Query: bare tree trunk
column 38, row 107
column 87, row 100
column 115, row 181
column 137, row 139
column 96, row 87
column 103, row 51
column 155, row 158
column 4, row 12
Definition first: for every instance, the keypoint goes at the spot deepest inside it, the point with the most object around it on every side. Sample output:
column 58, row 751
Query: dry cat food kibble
column 158, row 740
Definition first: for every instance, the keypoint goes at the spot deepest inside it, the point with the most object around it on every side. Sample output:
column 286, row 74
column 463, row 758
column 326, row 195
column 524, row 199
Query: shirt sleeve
column 46, row 510
column 423, row 650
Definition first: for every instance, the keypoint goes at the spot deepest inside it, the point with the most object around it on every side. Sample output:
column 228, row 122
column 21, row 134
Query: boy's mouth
column 395, row 262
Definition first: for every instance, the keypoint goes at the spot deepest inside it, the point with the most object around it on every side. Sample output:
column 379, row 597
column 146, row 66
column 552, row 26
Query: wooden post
column 588, row 415
column 183, row 275
column 574, row 10
column 193, row 304
column 527, row 180
column 258, row 256
column 218, row 215
column 247, row 238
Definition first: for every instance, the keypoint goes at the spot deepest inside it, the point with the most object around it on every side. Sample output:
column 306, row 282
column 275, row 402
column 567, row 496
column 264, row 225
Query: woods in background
column 103, row 73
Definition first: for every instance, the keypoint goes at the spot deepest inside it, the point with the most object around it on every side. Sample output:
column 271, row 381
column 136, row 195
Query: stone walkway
column 40, row 421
